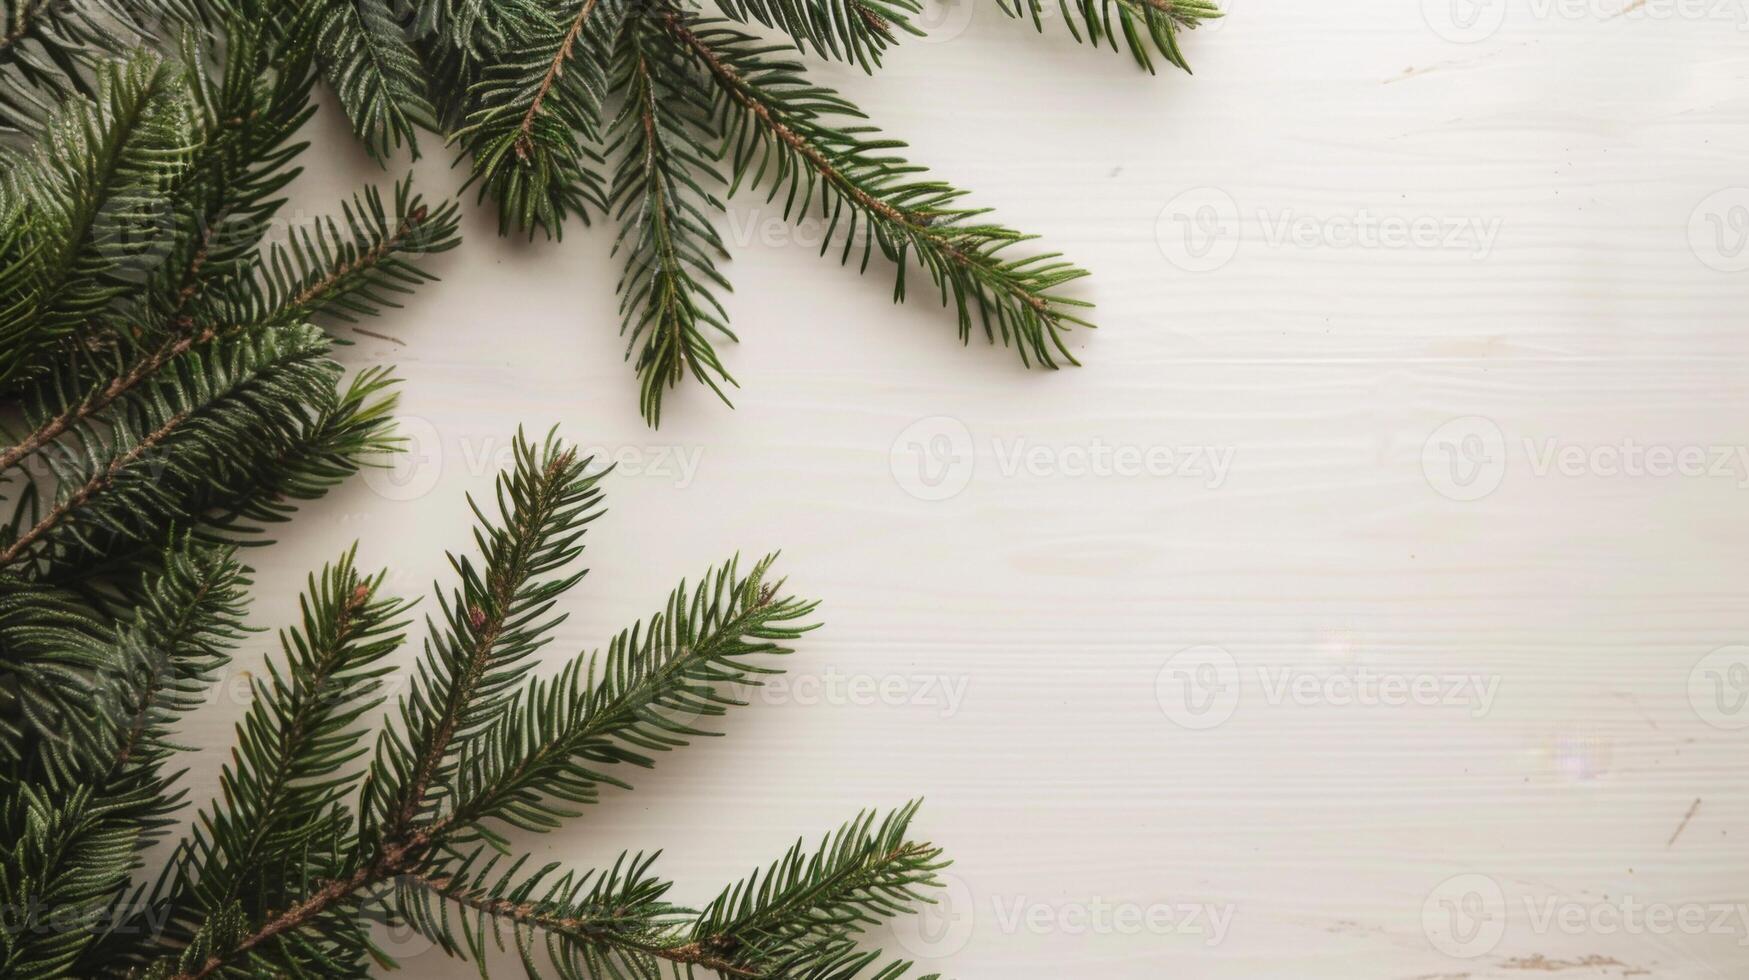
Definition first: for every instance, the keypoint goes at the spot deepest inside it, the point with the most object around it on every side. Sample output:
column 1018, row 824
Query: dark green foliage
column 671, row 248
column 62, row 859
column 284, row 873
column 809, row 908
column 850, row 30
column 165, row 396
column 780, row 130
column 643, row 111
column 694, row 102
column 1146, row 26
column 170, row 393
column 369, row 62
column 45, row 47
column 530, row 120
column 86, row 203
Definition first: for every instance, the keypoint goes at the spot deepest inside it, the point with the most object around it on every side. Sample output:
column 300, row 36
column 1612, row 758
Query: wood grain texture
column 1005, row 652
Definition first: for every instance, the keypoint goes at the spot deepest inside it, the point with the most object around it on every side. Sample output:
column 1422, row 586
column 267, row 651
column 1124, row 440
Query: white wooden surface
column 1012, row 652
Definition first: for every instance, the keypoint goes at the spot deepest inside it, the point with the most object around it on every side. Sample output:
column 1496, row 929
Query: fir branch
column 93, row 197
column 494, row 622
column 94, row 484
column 468, row 750
column 665, row 291
column 47, row 48
column 216, row 416
column 558, row 740
column 50, row 644
column 1147, row 26
column 375, row 72
column 64, row 857
column 524, row 140
column 531, row 119
column 249, row 113
column 283, row 790
column 322, row 274
column 774, row 120
column 101, row 396
column 601, row 920
column 809, row 908
column 334, row 444
column 800, row 920
column 343, row 269
column 857, row 31
column 166, row 657
column 107, row 732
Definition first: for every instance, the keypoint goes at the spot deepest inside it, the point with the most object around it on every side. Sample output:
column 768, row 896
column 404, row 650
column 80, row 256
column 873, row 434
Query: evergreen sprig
column 779, row 128
column 693, row 102
column 46, row 47
column 1146, row 26
column 85, row 203
column 167, row 393
column 666, row 301
column 370, row 63
column 304, row 849
column 171, row 393
column 635, row 110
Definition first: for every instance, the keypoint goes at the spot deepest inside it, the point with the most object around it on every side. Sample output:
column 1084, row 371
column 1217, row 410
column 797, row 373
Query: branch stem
column 525, row 131
column 917, row 224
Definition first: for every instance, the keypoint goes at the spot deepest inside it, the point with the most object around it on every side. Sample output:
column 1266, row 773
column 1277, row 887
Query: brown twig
column 365, row 260
column 525, row 131
column 918, row 224
column 120, row 385
column 692, row 953
column 96, row 484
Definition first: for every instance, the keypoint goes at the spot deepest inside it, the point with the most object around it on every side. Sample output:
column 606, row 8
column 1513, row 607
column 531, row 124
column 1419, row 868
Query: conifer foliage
column 169, row 395
column 652, row 111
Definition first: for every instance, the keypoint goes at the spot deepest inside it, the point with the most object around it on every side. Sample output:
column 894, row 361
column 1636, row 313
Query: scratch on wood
column 1685, row 819
column 1546, row 965
column 379, row 336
